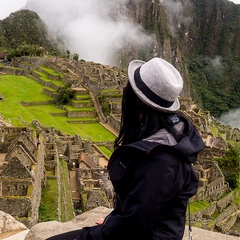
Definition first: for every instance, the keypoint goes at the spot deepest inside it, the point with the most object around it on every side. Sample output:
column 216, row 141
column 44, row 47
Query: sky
column 9, row 6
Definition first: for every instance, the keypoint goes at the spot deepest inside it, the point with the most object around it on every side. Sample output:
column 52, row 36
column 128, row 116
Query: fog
column 232, row 118
column 176, row 14
column 94, row 29
column 9, row 6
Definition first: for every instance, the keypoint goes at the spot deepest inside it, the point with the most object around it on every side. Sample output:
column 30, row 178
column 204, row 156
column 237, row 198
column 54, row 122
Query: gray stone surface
column 8, row 224
column 19, row 236
column 41, row 231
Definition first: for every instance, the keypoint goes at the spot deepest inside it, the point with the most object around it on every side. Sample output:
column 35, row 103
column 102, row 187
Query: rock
column 9, row 225
column 19, row 236
column 201, row 234
column 41, row 231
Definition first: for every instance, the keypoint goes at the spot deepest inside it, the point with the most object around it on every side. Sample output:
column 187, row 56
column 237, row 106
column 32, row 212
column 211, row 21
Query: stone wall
column 80, row 114
column 97, row 77
column 8, row 134
column 39, row 181
column 18, row 207
column 14, row 187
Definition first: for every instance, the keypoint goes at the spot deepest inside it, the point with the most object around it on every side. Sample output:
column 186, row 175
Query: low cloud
column 177, row 13
column 216, row 62
column 232, row 118
column 94, row 29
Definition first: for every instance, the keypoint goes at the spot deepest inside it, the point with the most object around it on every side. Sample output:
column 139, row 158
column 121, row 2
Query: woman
column 151, row 167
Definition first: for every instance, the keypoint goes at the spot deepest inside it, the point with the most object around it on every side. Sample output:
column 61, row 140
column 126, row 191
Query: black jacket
column 153, row 180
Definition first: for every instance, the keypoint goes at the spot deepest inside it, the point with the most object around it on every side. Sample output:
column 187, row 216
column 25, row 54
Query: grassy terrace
column 51, row 71
column 106, row 151
column 20, row 88
column 49, row 202
column 82, row 97
column 45, row 78
column 17, row 89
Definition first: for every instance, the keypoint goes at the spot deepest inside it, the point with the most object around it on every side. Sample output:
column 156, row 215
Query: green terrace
column 17, row 89
column 44, row 76
column 51, row 71
column 111, row 92
column 83, row 97
column 83, row 109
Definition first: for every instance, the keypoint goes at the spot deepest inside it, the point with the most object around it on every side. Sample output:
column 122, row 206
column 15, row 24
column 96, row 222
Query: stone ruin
column 35, row 155
column 31, row 157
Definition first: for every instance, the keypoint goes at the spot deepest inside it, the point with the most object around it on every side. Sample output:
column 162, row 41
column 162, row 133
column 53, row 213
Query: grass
column 51, row 71
column 83, row 97
column 237, row 196
column 93, row 131
column 106, row 151
column 67, row 208
column 72, row 109
column 20, row 88
column 82, row 101
column 16, row 89
column 45, row 78
column 198, row 206
column 48, row 210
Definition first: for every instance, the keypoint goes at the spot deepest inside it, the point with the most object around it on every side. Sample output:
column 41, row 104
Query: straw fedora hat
column 157, row 83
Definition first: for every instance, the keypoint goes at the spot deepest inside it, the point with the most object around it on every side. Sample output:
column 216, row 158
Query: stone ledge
column 44, row 230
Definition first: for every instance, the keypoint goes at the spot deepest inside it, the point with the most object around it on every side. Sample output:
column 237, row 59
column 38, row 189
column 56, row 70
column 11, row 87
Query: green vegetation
column 25, row 50
column 87, row 109
column 198, row 206
column 104, row 99
column 230, row 166
column 48, row 210
column 24, row 33
column 237, row 196
column 67, row 208
column 93, row 131
column 44, row 77
column 108, row 152
column 51, row 71
column 17, row 89
column 64, row 96
column 216, row 82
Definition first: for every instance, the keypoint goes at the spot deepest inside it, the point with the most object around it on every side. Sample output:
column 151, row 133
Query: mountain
column 200, row 37
column 25, row 28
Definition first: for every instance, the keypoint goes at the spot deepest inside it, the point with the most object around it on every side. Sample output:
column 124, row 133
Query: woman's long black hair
column 139, row 121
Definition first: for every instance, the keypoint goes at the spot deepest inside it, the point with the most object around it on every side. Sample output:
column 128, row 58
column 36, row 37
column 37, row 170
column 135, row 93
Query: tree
column 230, row 166
column 64, row 96
column 75, row 56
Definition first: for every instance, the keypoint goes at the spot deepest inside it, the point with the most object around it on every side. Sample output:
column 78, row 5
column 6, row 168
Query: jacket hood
column 188, row 147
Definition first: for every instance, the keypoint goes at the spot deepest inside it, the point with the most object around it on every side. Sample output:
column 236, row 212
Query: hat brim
column 131, row 70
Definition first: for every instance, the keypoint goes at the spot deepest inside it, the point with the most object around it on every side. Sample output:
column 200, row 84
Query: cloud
column 94, row 29
column 216, row 62
column 176, row 13
column 232, row 118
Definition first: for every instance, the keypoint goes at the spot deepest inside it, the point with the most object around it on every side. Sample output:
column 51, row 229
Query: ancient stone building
column 21, row 177
column 37, row 158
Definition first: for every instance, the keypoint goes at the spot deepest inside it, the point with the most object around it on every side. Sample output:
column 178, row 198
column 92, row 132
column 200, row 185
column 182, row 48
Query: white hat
column 157, row 83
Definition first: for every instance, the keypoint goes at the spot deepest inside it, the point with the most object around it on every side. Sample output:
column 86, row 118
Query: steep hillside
column 202, row 39
column 25, row 28
column 211, row 44
column 215, row 29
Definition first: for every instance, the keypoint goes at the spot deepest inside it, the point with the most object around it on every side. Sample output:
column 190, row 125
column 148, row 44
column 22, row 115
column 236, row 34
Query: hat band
column 148, row 92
